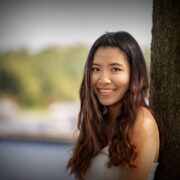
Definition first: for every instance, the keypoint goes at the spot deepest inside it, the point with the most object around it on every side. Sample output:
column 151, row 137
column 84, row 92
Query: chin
column 106, row 103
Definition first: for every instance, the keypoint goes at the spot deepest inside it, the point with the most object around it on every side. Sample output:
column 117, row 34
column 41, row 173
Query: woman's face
column 110, row 75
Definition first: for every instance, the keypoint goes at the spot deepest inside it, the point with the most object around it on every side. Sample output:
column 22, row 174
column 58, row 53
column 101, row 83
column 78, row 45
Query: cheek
column 126, row 83
column 127, row 80
column 123, row 80
column 93, row 80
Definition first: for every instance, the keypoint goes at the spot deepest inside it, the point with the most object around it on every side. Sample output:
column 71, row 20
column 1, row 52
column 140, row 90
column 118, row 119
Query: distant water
column 32, row 160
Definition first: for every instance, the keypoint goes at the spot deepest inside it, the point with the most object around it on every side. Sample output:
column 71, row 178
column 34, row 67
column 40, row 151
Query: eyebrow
column 95, row 64
column 116, row 64
column 112, row 64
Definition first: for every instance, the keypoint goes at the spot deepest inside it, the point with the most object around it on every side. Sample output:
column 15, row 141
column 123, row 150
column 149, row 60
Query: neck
column 114, row 111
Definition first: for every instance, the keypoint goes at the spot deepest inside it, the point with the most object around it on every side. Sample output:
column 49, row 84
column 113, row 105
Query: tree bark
column 165, row 83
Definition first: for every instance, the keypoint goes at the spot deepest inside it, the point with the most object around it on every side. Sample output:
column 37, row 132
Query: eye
column 95, row 69
column 116, row 69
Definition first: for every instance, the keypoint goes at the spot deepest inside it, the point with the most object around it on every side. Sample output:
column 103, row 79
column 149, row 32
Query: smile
column 105, row 92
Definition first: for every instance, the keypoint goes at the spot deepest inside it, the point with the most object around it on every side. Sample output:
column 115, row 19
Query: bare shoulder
column 146, row 136
column 145, row 122
column 145, row 131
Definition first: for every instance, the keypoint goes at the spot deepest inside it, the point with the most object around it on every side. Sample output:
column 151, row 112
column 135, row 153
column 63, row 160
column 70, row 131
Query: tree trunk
column 165, row 83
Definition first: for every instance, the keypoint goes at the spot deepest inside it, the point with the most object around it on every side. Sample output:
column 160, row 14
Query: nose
column 104, row 78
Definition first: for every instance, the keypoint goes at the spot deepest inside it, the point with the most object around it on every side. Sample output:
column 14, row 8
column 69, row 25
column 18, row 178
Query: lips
column 105, row 92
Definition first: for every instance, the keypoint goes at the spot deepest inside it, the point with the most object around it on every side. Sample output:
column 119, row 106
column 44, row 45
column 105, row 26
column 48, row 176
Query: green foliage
column 38, row 79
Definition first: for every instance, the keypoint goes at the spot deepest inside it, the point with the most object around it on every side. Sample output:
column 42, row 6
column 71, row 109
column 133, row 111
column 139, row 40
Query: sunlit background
column 43, row 48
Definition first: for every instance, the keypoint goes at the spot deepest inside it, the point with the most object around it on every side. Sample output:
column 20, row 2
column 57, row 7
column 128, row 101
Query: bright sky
column 37, row 24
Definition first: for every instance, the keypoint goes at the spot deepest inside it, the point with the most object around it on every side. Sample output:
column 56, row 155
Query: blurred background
column 43, row 49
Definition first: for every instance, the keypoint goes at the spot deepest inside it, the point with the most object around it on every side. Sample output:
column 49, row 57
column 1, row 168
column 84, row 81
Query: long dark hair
column 92, row 137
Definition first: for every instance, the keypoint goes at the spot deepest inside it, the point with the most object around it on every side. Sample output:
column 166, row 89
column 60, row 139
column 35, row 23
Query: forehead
column 109, row 54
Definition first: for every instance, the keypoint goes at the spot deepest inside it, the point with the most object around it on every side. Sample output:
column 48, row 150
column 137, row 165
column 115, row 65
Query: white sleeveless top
column 99, row 170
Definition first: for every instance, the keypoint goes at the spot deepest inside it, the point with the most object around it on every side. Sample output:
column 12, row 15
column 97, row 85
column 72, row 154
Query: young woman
column 118, row 135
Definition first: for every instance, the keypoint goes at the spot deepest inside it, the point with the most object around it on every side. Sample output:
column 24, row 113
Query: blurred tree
column 52, row 74
column 165, row 82
column 8, row 82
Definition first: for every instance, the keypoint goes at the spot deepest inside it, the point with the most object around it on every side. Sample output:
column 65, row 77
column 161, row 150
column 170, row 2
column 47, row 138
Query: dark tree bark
column 165, row 82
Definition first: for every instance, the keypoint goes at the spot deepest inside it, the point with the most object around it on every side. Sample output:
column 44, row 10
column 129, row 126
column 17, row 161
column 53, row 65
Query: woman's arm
column 146, row 139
